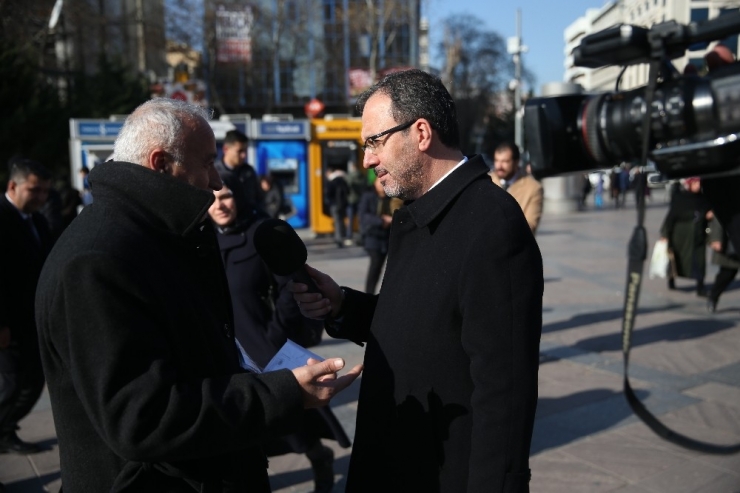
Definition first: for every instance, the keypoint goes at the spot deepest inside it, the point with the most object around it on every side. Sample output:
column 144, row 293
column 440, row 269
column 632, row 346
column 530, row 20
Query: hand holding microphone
column 283, row 251
column 285, row 254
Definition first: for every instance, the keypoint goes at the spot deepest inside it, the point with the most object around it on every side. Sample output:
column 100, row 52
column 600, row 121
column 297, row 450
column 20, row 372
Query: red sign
column 314, row 108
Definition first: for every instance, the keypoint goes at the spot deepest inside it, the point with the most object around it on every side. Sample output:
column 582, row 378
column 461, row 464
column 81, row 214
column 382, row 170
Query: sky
column 543, row 24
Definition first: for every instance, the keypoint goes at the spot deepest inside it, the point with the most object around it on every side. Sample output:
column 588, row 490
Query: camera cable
column 637, row 253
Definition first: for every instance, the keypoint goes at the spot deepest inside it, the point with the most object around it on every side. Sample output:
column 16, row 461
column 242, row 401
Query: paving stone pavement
column 685, row 367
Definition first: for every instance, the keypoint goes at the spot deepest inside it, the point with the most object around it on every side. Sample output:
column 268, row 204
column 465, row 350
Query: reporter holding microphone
column 136, row 333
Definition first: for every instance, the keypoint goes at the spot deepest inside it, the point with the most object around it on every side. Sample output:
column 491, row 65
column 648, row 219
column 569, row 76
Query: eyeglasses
column 370, row 143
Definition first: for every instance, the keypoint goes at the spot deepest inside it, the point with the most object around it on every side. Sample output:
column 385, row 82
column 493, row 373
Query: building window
column 696, row 62
column 731, row 41
column 330, row 10
column 699, row 14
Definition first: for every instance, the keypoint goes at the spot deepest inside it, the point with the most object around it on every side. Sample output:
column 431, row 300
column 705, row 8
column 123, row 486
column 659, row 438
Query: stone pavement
column 685, row 367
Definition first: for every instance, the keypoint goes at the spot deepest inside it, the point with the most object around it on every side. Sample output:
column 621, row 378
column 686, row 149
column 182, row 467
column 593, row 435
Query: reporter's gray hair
column 158, row 123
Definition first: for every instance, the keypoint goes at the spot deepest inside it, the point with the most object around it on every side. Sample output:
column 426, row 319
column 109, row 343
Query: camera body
column 694, row 122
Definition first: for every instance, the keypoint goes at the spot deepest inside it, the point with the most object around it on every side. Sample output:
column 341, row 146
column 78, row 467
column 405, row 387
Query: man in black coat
column 25, row 242
column 448, row 397
column 135, row 328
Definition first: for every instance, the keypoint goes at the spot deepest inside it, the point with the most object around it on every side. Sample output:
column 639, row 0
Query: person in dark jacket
column 335, row 200
column 376, row 213
column 684, row 228
column 449, row 392
column 236, row 173
column 25, row 241
column 265, row 317
column 136, row 332
column 272, row 197
column 724, row 255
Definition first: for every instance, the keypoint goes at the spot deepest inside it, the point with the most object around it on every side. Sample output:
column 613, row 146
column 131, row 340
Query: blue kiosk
column 281, row 149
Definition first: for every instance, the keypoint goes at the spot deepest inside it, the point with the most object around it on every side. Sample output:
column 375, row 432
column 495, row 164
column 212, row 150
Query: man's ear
column 424, row 129
column 11, row 188
column 159, row 160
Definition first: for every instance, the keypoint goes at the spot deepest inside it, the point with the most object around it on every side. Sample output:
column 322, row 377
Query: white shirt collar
column 23, row 214
column 464, row 160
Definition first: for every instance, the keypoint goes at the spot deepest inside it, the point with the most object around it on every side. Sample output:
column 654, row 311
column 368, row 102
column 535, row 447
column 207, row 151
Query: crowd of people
column 149, row 316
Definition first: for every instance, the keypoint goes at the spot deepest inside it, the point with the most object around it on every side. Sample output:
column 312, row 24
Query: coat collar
column 166, row 202
column 430, row 205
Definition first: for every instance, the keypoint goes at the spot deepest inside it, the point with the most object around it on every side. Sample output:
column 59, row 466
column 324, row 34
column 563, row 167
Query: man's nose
column 369, row 160
column 214, row 180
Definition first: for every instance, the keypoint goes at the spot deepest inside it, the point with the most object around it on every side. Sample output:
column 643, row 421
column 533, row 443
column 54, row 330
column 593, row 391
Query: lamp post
column 515, row 48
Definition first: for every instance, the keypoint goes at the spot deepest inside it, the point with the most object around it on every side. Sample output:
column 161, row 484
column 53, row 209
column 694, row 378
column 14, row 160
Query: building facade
column 642, row 13
column 274, row 56
column 130, row 30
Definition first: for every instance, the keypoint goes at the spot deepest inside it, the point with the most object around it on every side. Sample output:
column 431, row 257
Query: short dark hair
column 22, row 168
column 509, row 146
column 416, row 94
column 234, row 136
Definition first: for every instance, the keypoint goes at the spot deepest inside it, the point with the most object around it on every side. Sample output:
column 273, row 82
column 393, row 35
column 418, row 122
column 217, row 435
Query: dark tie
column 504, row 184
column 32, row 228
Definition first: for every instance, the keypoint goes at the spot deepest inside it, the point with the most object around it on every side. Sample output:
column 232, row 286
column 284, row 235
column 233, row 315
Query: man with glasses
column 449, row 392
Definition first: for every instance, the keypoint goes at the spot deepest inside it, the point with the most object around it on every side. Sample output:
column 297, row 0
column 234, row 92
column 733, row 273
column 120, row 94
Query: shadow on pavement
column 566, row 419
column 298, row 476
column 48, row 444
column 598, row 317
column 672, row 331
column 33, row 485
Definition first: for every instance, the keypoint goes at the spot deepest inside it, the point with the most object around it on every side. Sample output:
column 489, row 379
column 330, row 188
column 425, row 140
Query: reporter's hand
column 319, row 380
column 317, row 305
column 716, row 246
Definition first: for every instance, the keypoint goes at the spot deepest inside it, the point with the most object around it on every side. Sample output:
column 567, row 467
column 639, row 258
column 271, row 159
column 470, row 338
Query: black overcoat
column 685, row 227
column 137, row 344
column 449, row 390
column 22, row 258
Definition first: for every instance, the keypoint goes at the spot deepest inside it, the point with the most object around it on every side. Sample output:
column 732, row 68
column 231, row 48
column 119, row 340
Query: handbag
column 660, row 260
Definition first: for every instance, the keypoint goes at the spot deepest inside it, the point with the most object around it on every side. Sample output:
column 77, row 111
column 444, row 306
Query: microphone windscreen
column 280, row 247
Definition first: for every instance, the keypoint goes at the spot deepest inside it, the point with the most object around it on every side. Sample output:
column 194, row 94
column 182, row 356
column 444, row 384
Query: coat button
column 227, row 331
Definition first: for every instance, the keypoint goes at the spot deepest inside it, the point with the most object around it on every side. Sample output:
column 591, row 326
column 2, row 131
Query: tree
column 476, row 70
column 184, row 22
column 377, row 23
column 34, row 122
column 40, row 94
column 113, row 89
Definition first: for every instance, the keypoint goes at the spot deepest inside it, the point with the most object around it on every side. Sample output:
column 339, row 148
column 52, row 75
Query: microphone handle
column 302, row 276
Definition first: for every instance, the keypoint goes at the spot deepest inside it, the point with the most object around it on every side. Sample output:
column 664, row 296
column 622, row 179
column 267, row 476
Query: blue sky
column 543, row 23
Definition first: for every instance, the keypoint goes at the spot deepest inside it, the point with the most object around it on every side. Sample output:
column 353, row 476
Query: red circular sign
column 314, row 108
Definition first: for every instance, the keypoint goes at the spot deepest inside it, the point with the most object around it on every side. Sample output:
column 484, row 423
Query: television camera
column 685, row 124
column 694, row 122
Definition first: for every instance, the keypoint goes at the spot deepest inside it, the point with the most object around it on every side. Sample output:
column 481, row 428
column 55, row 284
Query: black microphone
column 283, row 251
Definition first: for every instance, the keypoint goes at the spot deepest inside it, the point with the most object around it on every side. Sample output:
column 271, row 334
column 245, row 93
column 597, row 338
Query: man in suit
column 237, row 174
column 136, row 330
column 24, row 244
column 527, row 191
column 448, row 396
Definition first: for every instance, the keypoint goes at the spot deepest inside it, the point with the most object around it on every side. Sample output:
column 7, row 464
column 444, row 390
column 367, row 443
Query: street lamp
column 515, row 48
